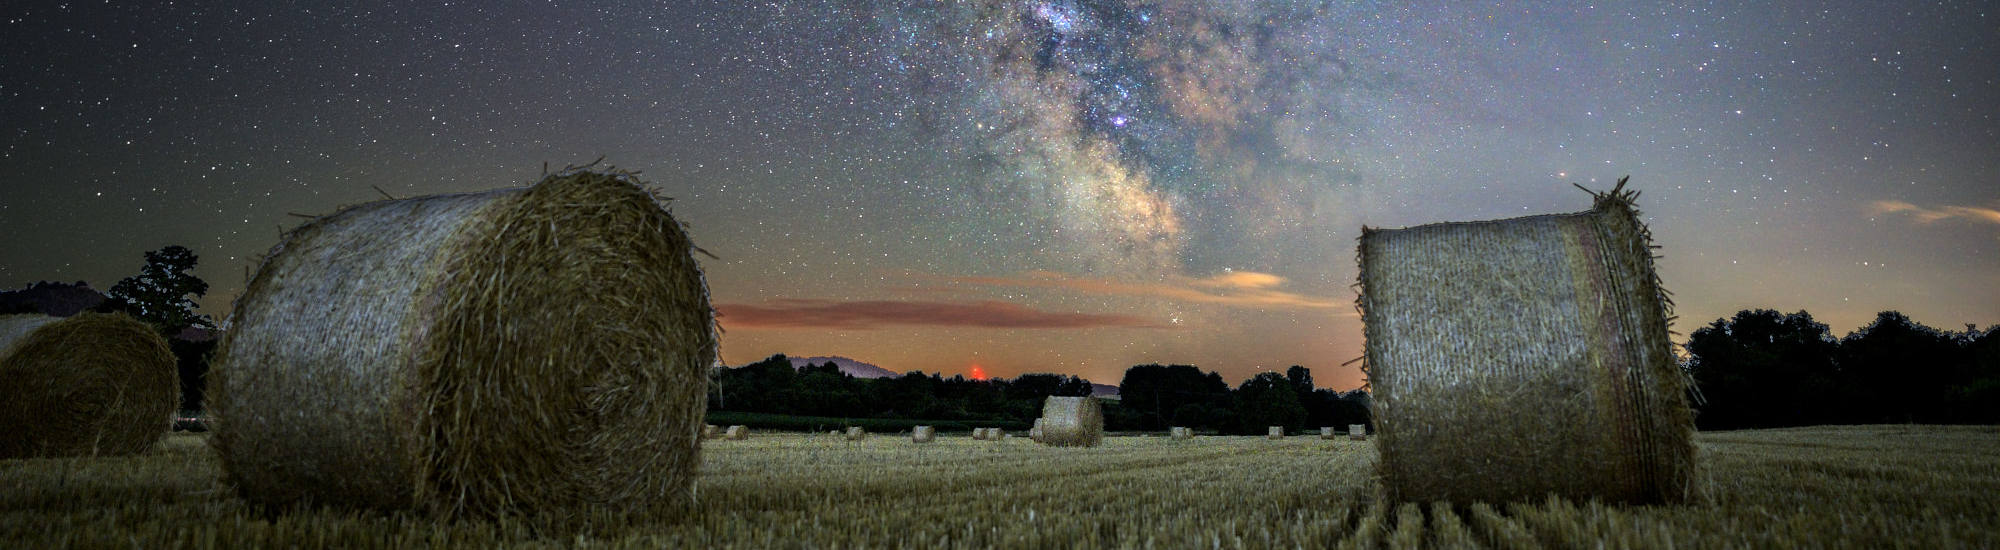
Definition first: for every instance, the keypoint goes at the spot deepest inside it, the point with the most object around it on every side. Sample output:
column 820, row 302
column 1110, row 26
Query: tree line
column 1763, row 369
column 1152, row 397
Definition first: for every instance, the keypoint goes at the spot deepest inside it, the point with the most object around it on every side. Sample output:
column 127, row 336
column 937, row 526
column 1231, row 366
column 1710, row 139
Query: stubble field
column 1849, row 486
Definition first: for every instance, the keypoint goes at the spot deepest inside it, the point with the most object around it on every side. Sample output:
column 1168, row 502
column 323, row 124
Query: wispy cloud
column 868, row 314
column 1234, row 288
column 1978, row 214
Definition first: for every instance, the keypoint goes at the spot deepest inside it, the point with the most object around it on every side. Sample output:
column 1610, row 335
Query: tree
column 1765, row 369
column 159, row 293
column 1157, row 393
column 1267, row 399
column 1909, row 366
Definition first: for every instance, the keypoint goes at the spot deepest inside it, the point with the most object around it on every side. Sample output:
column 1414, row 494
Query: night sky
column 1040, row 186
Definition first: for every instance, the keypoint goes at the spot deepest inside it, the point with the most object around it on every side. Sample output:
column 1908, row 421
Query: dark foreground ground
column 1848, row 486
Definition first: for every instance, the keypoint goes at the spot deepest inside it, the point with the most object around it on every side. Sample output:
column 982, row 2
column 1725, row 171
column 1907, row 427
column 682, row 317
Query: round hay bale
column 1357, row 432
column 1276, row 432
column 737, row 433
column 979, row 434
column 92, row 384
column 1466, row 322
column 1072, row 422
column 1035, row 432
column 710, row 431
column 855, row 433
column 540, row 352
column 1327, row 432
column 1181, row 433
column 923, row 434
column 995, row 434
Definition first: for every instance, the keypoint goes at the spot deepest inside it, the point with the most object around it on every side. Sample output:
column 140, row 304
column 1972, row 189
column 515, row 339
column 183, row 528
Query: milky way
column 1151, row 134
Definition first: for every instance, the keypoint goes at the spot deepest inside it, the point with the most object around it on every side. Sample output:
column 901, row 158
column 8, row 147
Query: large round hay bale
column 856, row 433
column 1327, row 432
column 1035, row 432
column 710, row 431
column 923, row 434
column 92, row 384
column 1072, row 422
column 1275, row 432
column 1181, row 433
column 1357, row 432
column 540, row 352
column 738, row 432
column 1516, row 359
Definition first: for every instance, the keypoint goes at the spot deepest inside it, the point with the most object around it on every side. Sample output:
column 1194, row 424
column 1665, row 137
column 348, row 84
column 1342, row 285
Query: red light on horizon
column 978, row 373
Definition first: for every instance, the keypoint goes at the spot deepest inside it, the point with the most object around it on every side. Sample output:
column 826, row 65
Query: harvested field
column 1850, row 486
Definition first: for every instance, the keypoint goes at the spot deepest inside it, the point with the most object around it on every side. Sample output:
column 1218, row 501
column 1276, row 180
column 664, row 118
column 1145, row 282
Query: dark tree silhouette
column 159, row 293
column 1907, row 366
column 1265, row 400
column 1160, row 395
column 1762, row 369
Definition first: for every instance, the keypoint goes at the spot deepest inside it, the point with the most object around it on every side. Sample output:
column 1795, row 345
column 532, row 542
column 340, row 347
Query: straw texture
column 1520, row 358
column 1275, row 432
column 1072, row 422
column 1181, row 433
column 737, row 433
column 923, row 434
column 1357, row 432
column 856, row 433
column 92, row 384
column 538, row 352
column 1327, row 432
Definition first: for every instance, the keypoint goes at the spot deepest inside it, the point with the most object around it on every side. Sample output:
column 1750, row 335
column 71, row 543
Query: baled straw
column 1181, row 433
column 923, row 434
column 1515, row 359
column 1072, row 422
column 92, row 384
column 710, row 431
column 979, row 434
column 855, row 433
column 1357, row 432
column 1327, row 432
column 737, row 433
column 539, row 352
column 1276, row 432
column 1035, row 432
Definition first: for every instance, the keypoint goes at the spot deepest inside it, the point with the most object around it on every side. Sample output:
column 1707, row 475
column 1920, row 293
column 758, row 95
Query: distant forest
column 1153, row 397
column 1764, row 369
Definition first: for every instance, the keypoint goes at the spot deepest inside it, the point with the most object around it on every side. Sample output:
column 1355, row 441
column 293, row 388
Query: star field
column 1039, row 185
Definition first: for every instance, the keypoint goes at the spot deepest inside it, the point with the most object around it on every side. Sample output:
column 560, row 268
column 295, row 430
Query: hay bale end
column 539, row 352
column 1466, row 322
column 94, row 384
column 1072, row 421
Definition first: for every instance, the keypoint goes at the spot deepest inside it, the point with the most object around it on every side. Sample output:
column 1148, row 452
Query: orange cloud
column 1934, row 215
column 869, row 314
column 1233, row 288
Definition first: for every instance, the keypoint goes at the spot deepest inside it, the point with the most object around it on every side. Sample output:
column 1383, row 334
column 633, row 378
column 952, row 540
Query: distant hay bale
column 981, row 434
column 710, row 431
column 1181, row 433
column 1072, row 422
column 856, row 433
column 1035, row 432
column 923, row 434
column 540, row 352
column 1327, row 432
column 737, row 433
column 1357, row 432
column 1527, row 357
column 92, row 384
column 1276, row 432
